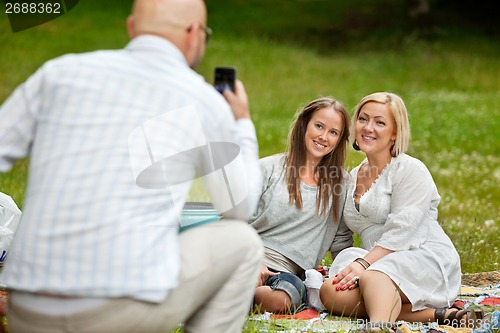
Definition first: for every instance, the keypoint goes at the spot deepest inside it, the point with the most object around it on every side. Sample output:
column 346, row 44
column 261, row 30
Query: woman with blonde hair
column 407, row 266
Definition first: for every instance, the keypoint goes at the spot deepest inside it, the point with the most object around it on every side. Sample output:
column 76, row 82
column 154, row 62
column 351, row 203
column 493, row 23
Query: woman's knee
column 335, row 301
column 327, row 295
column 275, row 301
column 342, row 302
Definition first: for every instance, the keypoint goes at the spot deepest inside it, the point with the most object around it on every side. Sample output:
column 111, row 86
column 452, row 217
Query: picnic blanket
column 328, row 324
column 479, row 290
column 487, row 296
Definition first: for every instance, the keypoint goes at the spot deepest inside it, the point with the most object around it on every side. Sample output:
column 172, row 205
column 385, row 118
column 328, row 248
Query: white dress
column 399, row 212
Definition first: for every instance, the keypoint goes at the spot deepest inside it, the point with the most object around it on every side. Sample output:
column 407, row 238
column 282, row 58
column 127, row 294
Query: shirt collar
column 155, row 44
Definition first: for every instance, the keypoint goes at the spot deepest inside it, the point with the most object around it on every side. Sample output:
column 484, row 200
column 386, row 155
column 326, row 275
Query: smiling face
column 375, row 130
column 322, row 133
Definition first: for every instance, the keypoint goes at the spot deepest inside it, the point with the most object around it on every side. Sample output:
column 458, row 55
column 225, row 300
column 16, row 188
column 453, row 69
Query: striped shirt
column 96, row 126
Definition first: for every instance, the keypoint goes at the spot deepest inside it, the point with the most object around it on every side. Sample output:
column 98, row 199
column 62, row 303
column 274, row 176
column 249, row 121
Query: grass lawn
column 288, row 53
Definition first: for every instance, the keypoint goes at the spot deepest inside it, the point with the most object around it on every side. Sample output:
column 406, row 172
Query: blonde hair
column 399, row 113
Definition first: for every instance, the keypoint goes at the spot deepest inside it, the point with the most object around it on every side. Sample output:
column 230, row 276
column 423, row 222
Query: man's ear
column 190, row 43
column 131, row 26
column 192, row 34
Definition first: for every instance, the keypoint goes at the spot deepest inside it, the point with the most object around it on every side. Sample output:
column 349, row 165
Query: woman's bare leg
column 366, row 299
column 346, row 303
column 267, row 299
column 382, row 298
column 421, row 316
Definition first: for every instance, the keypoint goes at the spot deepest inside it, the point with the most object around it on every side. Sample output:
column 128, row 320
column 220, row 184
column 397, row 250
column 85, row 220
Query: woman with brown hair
column 299, row 212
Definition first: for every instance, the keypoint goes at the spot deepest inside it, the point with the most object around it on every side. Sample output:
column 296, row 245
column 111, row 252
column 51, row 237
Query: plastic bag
column 9, row 220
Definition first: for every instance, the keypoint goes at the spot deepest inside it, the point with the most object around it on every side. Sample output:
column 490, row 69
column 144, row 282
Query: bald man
column 115, row 139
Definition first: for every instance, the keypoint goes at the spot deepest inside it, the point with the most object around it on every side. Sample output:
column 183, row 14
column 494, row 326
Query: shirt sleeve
column 414, row 196
column 271, row 168
column 245, row 181
column 18, row 123
column 343, row 239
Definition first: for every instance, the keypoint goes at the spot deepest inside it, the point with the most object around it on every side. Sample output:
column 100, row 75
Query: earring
column 355, row 145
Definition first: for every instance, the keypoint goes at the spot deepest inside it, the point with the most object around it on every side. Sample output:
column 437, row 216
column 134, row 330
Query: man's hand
column 238, row 101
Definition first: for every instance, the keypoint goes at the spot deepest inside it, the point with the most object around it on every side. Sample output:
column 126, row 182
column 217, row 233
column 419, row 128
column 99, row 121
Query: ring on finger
column 356, row 280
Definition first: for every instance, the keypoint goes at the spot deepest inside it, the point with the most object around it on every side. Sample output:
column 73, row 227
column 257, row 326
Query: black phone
column 224, row 78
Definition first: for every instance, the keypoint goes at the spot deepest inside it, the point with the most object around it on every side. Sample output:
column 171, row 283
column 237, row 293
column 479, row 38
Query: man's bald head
column 172, row 20
column 159, row 17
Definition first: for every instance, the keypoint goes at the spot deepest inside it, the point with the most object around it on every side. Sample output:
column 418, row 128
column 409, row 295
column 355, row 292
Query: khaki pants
column 220, row 263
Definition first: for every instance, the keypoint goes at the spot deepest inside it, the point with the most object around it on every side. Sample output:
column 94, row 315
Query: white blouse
column 399, row 212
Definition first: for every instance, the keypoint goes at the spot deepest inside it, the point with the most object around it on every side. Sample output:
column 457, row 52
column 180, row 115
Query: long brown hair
column 330, row 169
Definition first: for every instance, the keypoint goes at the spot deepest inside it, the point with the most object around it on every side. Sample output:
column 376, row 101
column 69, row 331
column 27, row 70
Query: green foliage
column 288, row 53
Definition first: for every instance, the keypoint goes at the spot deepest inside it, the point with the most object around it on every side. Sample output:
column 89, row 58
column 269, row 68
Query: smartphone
column 224, row 78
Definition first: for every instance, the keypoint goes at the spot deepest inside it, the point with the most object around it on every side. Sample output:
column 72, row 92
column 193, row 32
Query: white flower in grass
column 489, row 223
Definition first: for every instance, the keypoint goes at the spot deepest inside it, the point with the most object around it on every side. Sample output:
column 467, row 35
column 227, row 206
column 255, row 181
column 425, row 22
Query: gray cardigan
column 299, row 235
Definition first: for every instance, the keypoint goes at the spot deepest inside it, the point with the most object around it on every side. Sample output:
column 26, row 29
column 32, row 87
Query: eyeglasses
column 207, row 30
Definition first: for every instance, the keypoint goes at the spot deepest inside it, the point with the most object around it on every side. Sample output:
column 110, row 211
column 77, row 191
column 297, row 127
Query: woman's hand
column 348, row 278
column 265, row 273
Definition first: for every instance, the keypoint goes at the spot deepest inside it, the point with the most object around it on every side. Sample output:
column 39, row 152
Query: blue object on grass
column 197, row 213
column 492, row 326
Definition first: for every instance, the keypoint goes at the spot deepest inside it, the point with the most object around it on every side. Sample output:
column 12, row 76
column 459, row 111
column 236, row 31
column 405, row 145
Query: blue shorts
column 292, row 285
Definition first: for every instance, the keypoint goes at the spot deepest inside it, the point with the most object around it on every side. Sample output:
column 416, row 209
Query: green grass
column 289, row 53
